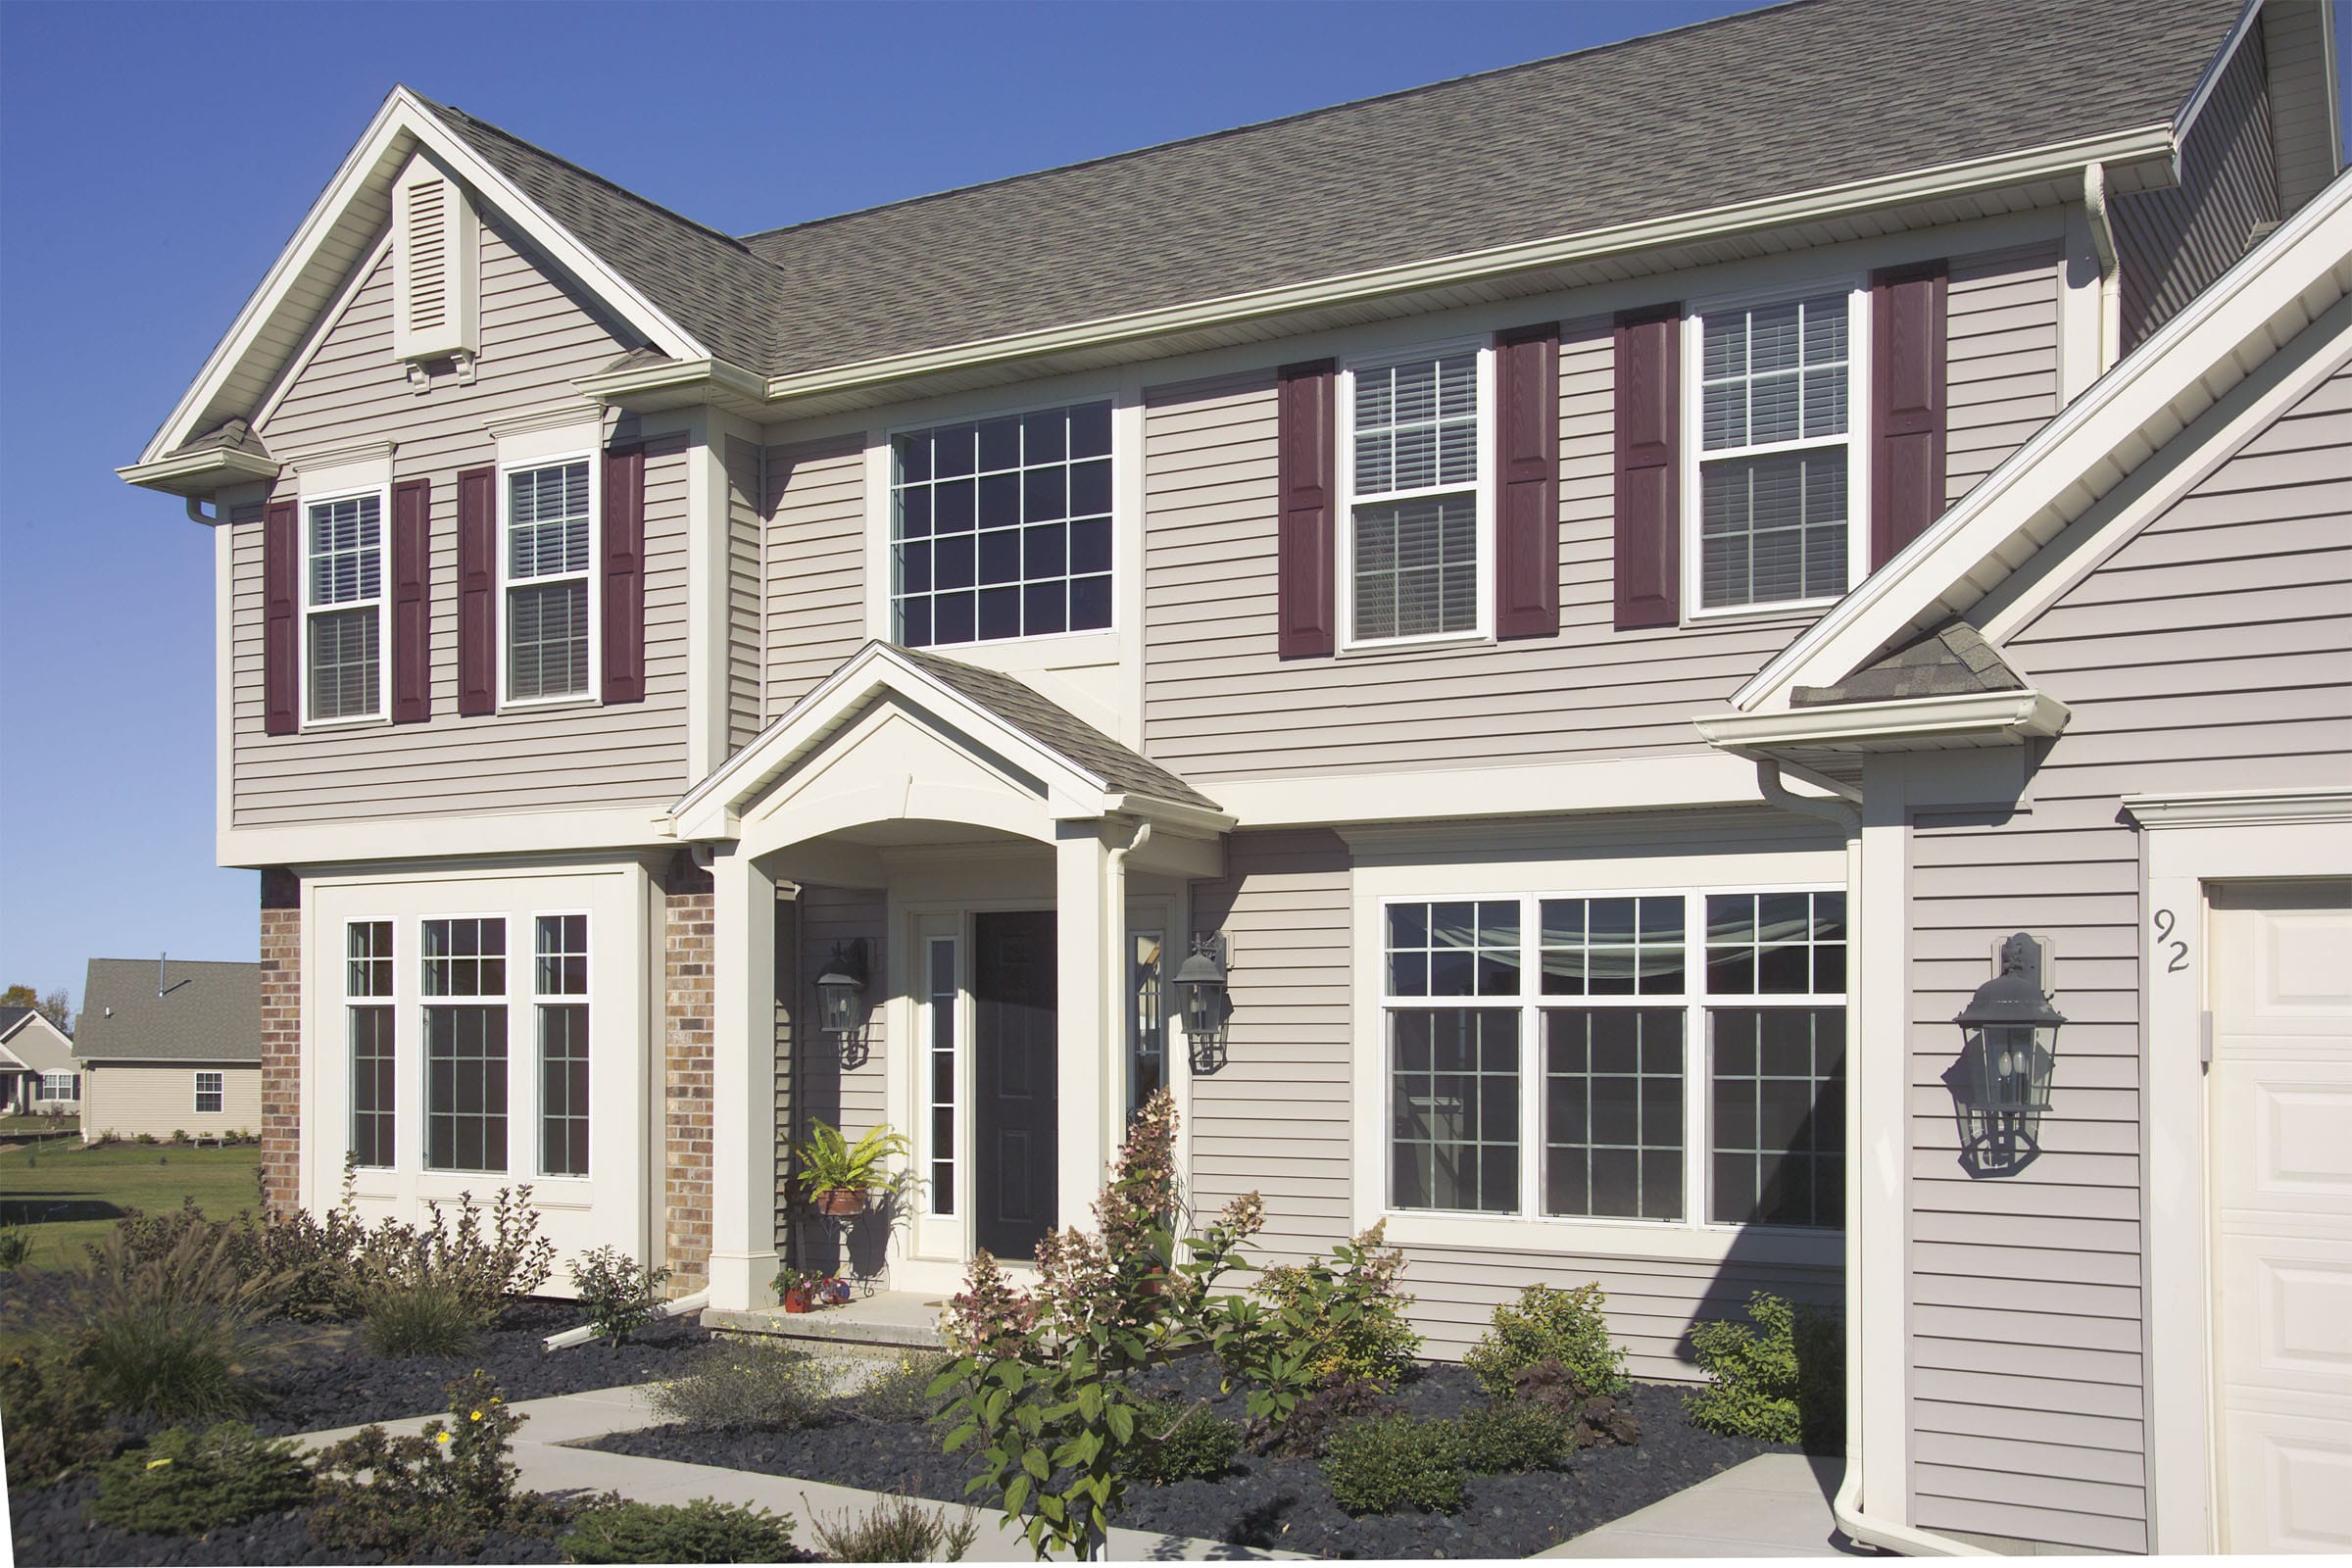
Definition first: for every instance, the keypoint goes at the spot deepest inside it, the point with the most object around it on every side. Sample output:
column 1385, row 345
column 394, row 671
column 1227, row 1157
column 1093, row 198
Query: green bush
column 184, row 1482
column 702, row 1530
column 426, row 1317
column 1591, row 1418
column 1393, row 1462
column 1346, row 1316
column 897, row 1529
column 15, row 1245
column 1332, row 1405
column 1549, row 1325
column 167, row 1334
column 439, row 1491
column 1505, row 1439
column 618, row 1292
column 55, row 1424
column 900, row 1392
column 745, row 1382
column 1781, row 1380
column 1184, row 1441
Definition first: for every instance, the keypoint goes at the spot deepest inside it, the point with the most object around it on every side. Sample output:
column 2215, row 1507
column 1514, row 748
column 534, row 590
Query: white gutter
column 2102, row 241
column 587, row 1331
column 1977, row 718
column 196, row 474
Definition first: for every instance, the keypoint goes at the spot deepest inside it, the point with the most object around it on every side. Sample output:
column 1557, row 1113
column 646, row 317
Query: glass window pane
column 1778, row 1114
column 1454, row 1086
column 1613, row 1133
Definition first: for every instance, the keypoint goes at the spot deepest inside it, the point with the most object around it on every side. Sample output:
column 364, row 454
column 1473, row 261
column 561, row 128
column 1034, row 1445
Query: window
column 343, row 616
column 561, row 971
column 60, row 1086
column 1001, row 528
column 941, row 1000
column 1147, row 1025
column 369, row 1011
column 211, row 1092
column 1668, row 1058
column 464, row 982
column 1776, row 496
column 1415, row 513
column 550, row 546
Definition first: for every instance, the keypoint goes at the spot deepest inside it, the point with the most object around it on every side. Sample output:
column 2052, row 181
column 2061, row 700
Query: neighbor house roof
column 206, row 1012
column 1802, row 97
column 27, row 1039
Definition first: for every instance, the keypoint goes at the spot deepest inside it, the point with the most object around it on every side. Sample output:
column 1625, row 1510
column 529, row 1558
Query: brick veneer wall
column 282, row 1038
column 686, row 1061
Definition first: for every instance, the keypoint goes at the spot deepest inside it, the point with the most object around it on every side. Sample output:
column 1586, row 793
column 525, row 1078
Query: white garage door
column 2281, row 1092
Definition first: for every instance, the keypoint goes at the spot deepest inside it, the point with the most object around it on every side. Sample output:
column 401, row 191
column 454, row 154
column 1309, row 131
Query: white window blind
column 550, row 550
column 343, row 545
column 1413, row 498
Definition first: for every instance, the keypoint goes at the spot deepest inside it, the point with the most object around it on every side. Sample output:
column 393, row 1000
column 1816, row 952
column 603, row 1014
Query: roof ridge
column 1206, row 136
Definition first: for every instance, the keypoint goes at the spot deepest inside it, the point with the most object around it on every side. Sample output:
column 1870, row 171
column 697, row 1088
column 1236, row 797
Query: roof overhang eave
column 680, row 384
column 199, row 473
column 1976, row 720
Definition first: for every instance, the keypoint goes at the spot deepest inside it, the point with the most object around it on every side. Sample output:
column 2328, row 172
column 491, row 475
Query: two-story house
column 1596, row 595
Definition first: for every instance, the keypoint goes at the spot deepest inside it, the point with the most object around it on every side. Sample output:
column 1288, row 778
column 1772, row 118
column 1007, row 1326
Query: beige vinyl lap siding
column 2213, row 650
column 536, row 339
column 745, row 653
column 814, row 592
column 2000, row 359
column 848, row 1095
column 159, row 1098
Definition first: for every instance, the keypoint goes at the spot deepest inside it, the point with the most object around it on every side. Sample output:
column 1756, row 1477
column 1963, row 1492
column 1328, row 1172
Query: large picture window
column 1668, row 1058
column 559, row 982
column 1413, row 469
column 550, row 546
column 465, row 985
column 343, row 608
column 1002, row 528
column 369, row 1017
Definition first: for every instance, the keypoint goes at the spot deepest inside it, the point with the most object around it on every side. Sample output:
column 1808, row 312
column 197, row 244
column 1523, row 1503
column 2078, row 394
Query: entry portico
column 1029, row 871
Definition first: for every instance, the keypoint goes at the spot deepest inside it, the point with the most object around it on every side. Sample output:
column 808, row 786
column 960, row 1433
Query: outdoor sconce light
column 1200, row 994
column 841, row 992
column 2001, row 1083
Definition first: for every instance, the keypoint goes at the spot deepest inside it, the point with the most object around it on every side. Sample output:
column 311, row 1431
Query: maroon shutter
column 1527, row 465
column 1907, row 405
column 282, row 621
column 477, row 591
column 623, row 575
column 412, row 602
column 1649, row 555
column 1304, row 461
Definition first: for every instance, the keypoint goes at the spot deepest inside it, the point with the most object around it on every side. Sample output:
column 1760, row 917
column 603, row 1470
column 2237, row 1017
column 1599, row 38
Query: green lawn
column 69, row 1194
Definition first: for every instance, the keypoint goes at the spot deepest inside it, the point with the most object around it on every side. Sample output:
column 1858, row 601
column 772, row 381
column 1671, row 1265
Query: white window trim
column 536, row 1075
column 1858, row 407
column 1692, row 1236
column 383, row 605
column 1483, row 488
column 932, row 933
column 196, row 1098
column 351, row 999
column 1126, row 457
column 595, row 692
column 518, row 1094
column 41, row 1090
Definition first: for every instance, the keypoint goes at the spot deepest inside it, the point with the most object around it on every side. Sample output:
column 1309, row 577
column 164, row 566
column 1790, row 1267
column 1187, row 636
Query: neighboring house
column 38, row 1075
column 1602, row 590
column 170, row 1047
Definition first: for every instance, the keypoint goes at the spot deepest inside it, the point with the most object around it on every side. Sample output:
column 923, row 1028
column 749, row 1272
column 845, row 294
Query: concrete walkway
column 1775, row 1506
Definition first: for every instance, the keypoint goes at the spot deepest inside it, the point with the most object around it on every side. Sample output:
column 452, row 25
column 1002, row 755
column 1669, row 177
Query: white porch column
column 1085, row 1028
column 743, row 1083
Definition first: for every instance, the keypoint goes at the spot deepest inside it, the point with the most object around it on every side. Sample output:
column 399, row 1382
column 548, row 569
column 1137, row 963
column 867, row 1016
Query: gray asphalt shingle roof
column 1953, row 661
column 1797, row 97
column 208, row 1011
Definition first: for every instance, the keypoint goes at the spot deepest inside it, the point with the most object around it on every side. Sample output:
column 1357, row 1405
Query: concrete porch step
column 900, row 1319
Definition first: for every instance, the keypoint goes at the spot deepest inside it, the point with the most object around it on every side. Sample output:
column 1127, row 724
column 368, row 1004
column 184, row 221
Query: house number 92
column 2165, row 922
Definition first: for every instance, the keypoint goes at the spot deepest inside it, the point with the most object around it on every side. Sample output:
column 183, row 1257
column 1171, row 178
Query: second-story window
column 549, row 548
column 343, row 608
column 1412, row 467
column 1001, row 528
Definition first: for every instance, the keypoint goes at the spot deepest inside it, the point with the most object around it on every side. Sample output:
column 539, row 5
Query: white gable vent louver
column 435, row 262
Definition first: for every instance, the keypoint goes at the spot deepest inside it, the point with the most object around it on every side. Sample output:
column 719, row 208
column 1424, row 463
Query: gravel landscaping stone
column 48, row 1529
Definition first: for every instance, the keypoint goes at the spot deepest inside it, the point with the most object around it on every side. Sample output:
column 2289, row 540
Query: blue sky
column 154, row 158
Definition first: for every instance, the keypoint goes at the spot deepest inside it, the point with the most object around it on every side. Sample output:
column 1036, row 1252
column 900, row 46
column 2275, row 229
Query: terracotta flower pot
column 796, row 1300
column 842, row 1202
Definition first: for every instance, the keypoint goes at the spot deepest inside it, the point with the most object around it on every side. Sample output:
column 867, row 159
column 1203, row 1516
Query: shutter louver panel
column 477, row 591
column 437, row 261
column 1907, row 405
column 622, row 575
column 1306, row 477
column 1527, row 465
column 412, row 602
column 281, row 618
column 1648, row 414
column 429, row 256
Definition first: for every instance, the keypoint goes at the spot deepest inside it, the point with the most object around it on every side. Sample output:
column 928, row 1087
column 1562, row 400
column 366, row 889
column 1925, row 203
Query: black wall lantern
column 1200, row 994
column 841, row 993
column 2001, row 1083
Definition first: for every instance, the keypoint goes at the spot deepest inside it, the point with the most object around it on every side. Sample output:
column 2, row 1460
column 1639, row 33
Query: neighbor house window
column 1001, row 528
column 60, row 1086
column 1414, row 500
column 465, row 986
column 1775, row 503
column 343, row 614
column 1610, row 1057
column 560, row 983
column 210, row 1092
column 550, row 525
column 368, row 1013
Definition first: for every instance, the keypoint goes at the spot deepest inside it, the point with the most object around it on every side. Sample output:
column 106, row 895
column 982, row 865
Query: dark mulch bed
column 1277, row 1502
column 48, row 1529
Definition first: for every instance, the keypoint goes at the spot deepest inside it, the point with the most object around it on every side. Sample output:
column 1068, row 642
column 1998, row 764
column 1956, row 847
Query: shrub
column 1346, row 1316
column 439, row 1491
column 745, row 1382
column 1508, row 1437
column 1312, row 1421
column 1592, row 1418
column 15, row 1245
column 165, row 1335
column 184, row 1482
column 55, row 1425
column 1782, row 1381
column 1549, row 1325
column 1182, row 1442
column 147, row 1139
column 616, row 1292
column 900, row 1392
column 488, row 1269
column 1393, row 1462
column 701, row 1530
column 897, row 1529
column 421, row 1318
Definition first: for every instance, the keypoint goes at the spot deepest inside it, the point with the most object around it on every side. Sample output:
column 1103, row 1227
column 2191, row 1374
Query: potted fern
column 840, row 1176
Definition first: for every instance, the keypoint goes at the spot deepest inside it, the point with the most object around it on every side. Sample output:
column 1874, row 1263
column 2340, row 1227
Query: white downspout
column 2102, row 242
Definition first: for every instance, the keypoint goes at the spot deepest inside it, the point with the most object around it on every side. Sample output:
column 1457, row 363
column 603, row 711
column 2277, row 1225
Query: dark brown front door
column 1013, row 1008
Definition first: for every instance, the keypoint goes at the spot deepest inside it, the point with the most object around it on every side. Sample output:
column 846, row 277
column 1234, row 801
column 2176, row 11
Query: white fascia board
column 419, row 838
column 2182, row 368
column 2063, row 161
column 401, row 117
column 681, row 383
column 1626, row 784
column 200, row 473
column 1977, row 719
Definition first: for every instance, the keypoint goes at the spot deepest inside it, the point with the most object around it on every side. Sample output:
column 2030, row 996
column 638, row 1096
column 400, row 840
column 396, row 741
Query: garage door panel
column 2291, row 1122
column 2286, row 1310
column 2293, row 1484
